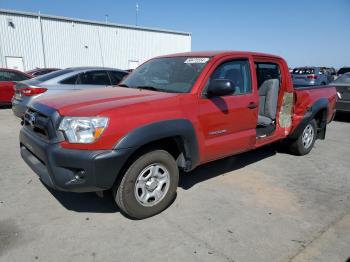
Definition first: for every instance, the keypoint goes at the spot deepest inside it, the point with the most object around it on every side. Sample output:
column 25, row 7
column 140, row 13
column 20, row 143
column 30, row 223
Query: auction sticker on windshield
column 196, row 60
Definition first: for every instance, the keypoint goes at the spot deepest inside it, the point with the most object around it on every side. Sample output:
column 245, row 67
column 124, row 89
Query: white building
column 30, row 40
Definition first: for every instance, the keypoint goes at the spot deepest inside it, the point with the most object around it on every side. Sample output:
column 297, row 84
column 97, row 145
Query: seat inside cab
column 269, row 76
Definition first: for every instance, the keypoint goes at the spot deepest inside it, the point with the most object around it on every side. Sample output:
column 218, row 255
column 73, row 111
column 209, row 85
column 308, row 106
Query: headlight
column 83, row 129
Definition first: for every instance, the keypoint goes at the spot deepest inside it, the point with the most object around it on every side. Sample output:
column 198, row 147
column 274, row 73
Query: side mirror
column 220, row 87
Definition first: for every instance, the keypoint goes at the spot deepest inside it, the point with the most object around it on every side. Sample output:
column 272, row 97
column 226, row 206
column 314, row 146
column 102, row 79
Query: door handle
column 252, row 105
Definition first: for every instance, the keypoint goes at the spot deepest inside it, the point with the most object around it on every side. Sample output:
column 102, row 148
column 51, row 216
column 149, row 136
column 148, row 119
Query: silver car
column 311, row 76
column 66, row 80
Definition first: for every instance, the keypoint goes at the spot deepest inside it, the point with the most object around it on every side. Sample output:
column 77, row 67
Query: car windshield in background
column 173, row 74
column 303, row 71
column 343, row 79
column 52, row 75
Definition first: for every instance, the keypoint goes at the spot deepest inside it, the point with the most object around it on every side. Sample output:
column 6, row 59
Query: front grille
column 43, row 121
column 37, row 122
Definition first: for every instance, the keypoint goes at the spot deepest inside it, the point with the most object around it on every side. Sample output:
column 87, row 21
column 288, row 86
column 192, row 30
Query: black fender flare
column 321, row 104
column 182, row 128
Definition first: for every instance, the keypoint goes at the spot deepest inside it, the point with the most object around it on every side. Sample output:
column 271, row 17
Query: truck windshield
column 170, row 74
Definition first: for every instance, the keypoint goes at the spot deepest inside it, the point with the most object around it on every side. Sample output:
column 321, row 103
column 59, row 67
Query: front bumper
column 68, row 169
column 343, row 106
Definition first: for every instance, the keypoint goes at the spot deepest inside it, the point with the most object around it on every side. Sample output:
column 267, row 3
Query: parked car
column 310, row 76
column 343, row 70
column 172, row 113
column 332, row 72
column 66, row 80
column 8, row 78
column 342, row 84
column 41, row 71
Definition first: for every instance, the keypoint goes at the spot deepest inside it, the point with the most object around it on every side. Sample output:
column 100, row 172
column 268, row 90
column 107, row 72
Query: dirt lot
column 258, row 206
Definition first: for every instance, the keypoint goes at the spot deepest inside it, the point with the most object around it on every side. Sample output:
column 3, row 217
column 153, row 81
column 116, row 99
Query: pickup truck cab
column 172, row 113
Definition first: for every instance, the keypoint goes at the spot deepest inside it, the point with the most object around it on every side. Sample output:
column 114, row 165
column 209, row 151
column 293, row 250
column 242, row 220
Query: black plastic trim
column 69, row 169
column 321, row 104
column 182, row 128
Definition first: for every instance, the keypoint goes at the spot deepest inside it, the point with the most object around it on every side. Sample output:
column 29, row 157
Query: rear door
column 7, row 82
column 5, row 86
column 229, row 122
column 93, row 79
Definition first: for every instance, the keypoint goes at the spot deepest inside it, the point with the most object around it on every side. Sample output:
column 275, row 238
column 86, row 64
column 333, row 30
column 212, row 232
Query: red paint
column 128, row 109
column 7, row 87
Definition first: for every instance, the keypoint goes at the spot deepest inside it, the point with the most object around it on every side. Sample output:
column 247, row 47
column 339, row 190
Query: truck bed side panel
column 306, row 99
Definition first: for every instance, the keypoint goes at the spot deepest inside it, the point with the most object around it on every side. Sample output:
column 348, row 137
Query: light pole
column 106, row 18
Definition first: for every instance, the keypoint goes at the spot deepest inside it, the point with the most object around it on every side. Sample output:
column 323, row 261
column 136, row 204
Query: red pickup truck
column 172, row 113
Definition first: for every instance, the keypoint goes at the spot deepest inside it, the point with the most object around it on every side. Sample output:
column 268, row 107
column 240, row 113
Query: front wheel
column 305, row 142
column 148, row 186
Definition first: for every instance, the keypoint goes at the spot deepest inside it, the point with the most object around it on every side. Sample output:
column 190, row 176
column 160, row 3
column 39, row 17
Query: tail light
column 31, row 91
column 312, row 77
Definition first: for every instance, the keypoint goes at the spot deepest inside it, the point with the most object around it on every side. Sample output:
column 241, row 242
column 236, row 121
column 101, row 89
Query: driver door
column 229, row 122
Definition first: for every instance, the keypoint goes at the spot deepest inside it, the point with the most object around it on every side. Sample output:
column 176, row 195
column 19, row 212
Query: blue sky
column 303, row 32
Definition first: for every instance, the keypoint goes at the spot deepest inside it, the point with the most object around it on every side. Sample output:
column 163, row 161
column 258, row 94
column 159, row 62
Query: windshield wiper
column 148, row 88
column 123, row 85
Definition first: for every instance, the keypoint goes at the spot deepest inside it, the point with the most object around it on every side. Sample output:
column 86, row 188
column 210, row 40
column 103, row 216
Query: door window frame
column 223, row 60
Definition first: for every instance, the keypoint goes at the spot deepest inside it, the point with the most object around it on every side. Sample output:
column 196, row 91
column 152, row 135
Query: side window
column 94, row 78
column 4, row 76
column 116, row 76
column 266, row 71
column 17, row 77
column 11, row 76
column 237, row 71
column 70, row 80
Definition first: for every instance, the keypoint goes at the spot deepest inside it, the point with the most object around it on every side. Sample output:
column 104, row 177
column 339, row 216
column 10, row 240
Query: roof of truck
column 219, row 53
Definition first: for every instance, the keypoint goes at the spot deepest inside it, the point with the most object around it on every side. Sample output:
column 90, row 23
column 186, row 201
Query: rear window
column 70, row 80
column 343, row 79
column 343, row 70
column 116, row 76
column 12, row 76
column 53, row 75
column 303, row 71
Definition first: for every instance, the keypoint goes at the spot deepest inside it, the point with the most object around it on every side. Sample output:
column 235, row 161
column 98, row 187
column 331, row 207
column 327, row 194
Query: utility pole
column 42, row 38
column 137, row 13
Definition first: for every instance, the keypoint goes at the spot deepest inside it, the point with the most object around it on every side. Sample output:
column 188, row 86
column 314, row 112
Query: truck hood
column 96, row 101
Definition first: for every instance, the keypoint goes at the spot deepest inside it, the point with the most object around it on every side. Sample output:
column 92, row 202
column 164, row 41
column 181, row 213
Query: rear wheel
column 148, row 186
column 305, row 142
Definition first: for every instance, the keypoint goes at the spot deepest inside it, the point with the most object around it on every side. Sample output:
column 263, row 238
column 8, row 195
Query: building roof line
column 84, row 21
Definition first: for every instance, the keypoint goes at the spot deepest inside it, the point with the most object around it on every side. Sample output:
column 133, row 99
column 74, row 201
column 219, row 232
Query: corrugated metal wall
column 65, row 43
column 22, row 40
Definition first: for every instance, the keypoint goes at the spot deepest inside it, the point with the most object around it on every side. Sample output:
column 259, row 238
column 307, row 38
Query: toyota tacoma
column 172, row 114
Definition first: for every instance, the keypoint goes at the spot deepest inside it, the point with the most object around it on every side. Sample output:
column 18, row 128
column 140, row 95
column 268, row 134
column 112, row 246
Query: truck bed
column 311, row 95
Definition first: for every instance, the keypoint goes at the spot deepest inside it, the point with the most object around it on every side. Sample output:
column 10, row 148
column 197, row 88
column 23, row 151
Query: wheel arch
column 177, row 136
column 319, row 112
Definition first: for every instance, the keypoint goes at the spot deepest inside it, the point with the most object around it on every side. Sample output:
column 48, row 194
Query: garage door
column 13, row 62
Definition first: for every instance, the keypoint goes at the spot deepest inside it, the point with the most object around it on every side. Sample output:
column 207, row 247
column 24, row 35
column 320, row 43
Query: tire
column 323, row 83
column 305, row 142
column 148, row 186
